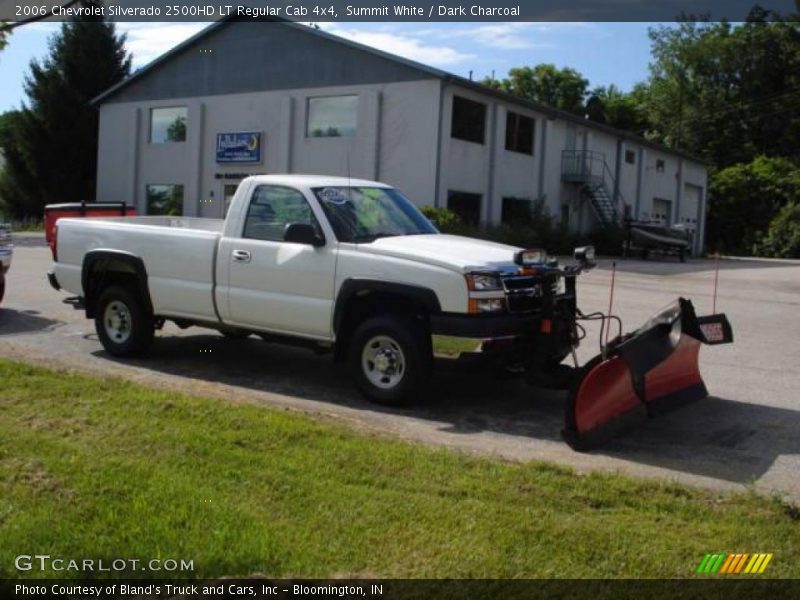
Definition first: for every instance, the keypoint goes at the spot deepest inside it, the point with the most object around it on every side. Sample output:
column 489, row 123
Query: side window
column 272, row 208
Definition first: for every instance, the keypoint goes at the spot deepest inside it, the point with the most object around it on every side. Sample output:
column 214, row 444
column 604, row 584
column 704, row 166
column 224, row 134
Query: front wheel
column 391, row 359
column 123, row 325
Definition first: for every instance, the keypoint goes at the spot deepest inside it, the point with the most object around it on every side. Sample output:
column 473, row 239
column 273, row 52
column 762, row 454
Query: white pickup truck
column 344, row 265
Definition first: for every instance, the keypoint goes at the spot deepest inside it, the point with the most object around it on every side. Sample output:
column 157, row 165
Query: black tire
column 2, row 284
column 399, row 332
column 134, row 334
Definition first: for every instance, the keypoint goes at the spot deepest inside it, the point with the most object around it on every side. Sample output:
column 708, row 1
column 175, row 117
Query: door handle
column 241, row 256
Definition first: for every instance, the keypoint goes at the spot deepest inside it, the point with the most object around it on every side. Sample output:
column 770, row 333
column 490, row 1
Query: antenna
column 716, row 282
column 610, row 300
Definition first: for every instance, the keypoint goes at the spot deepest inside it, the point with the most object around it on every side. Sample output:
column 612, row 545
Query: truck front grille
column 524, row 292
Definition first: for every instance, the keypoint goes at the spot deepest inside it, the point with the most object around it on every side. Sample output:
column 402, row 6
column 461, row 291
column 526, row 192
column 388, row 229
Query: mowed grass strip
column 94, row 468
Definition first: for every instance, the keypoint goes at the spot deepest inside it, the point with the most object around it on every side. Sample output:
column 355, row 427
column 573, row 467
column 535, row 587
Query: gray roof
column 375, row 66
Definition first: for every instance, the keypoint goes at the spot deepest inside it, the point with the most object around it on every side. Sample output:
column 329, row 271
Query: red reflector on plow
column 642, row 374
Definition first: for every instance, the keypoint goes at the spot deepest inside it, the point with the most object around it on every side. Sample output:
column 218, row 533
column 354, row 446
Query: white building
column 273, row 97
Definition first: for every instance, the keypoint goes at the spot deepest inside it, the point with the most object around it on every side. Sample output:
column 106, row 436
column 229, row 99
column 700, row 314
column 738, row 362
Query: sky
column 604, row 53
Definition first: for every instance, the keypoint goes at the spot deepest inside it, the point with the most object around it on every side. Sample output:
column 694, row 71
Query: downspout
column 639, row 174
column 492, row 151
column 439, row 138
column 378, row 136
column 137, row 125
column 200, row 137
column 542, row 150
column 679, row 192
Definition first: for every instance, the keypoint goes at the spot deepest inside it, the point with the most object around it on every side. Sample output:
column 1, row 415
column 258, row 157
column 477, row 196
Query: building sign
column 239, row 147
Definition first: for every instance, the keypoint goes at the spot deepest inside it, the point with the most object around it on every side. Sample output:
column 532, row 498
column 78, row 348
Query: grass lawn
column 94, row 468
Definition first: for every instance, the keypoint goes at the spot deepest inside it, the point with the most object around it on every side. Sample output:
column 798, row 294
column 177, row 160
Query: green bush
column 443, row 218
column 783, row 238
column 745, row 198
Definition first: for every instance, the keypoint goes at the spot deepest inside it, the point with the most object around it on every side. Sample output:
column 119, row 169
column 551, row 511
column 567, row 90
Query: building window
column 168, row 125
column 467, row 206
column 519, row 133
column 659, row 166
column 630, row 157
column 165, row 199
column 272, row 208
column 469, row 120
column 332, row 116
column 516, row 210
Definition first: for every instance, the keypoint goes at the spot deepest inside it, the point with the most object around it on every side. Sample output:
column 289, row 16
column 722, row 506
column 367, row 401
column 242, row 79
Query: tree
column 612, row 106
column 50, row 144
column 726, row 92
column 745, row 197
column 783, row 238
column 560, row 88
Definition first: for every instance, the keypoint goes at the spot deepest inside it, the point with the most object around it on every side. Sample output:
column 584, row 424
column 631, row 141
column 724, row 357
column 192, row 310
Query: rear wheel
column 391, row 359
column 123, row 325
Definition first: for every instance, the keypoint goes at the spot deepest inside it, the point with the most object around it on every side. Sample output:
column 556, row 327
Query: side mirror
column 303, row 233
column 585, row 256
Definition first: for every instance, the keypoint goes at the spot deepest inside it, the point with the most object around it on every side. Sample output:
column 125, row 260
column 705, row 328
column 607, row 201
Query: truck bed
column 195, row 223
column 178, row 255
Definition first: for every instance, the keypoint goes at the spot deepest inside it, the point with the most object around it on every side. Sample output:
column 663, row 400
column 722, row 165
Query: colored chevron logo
column 734, row 564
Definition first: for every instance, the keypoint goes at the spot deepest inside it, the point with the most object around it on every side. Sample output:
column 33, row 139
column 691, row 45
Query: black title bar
column 373, row 10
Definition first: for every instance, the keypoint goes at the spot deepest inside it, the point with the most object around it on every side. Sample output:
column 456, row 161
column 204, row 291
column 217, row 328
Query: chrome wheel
column 383, row 362
column 117, row 322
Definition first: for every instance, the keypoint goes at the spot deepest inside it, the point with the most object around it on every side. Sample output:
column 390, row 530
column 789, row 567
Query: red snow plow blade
column 645, row 373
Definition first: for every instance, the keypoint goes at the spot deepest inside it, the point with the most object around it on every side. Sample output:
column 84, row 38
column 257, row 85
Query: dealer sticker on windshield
column 332, row 195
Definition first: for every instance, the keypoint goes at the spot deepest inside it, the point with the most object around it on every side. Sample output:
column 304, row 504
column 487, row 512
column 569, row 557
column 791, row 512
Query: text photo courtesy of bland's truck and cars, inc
column 288, row 11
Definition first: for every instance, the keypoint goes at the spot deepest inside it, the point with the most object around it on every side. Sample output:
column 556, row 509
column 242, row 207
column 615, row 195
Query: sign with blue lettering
column 239, row 147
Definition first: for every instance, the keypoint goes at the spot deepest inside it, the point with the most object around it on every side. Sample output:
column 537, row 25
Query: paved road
column 746, row 434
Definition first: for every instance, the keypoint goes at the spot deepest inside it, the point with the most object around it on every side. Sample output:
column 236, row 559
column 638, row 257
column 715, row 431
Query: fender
column 99, row 262
column 354, row 287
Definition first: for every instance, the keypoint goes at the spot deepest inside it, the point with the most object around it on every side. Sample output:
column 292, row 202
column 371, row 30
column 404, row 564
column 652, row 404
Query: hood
column 450, row 251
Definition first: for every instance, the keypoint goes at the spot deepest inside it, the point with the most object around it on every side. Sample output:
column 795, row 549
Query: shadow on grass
column 717, row 438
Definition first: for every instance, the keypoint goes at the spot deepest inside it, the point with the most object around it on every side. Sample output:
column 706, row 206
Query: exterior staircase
column 602, row 204
column 589, row 170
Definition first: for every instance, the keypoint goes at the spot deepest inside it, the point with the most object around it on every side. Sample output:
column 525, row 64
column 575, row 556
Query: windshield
column 364, row 214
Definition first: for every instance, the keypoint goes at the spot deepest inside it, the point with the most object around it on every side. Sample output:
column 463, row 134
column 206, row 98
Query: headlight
column 486, row 305
column 483, row 282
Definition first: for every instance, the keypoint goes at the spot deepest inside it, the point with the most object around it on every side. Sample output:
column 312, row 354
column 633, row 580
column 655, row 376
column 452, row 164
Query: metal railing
column 589, row 167
column 583, row 166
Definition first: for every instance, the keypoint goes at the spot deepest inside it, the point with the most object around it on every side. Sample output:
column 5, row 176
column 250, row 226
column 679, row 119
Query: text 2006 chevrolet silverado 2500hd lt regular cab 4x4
column 340, row 264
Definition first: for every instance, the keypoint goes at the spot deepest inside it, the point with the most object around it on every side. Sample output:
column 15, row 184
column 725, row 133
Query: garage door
column 690, row 206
